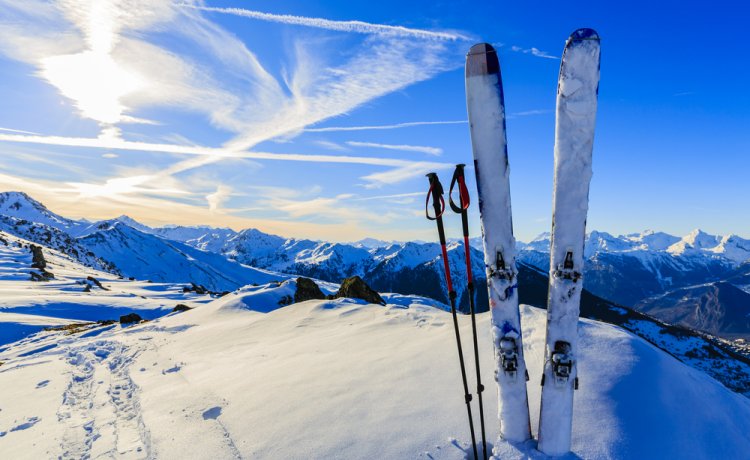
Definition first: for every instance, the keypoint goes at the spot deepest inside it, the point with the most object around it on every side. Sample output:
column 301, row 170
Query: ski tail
column 577, row 91
column 438, row 204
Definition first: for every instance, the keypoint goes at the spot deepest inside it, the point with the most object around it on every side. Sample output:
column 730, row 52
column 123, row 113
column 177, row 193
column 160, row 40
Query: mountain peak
column 21, row 206
column 700, row 239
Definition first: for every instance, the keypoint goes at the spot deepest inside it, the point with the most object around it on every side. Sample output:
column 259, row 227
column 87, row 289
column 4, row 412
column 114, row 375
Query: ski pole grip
column 438, row 203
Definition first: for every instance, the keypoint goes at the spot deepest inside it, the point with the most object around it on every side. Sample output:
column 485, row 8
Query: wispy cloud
column 400, row 174
column 209, row 152
column 435, row 151
column 526, row 113
column 330, row 145
column 341, row 26
column 378, row 127
column 534, row 52
column 388, row 197
column 20, row 131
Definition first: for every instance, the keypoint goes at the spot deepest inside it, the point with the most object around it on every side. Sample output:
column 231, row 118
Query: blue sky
column 231, row 114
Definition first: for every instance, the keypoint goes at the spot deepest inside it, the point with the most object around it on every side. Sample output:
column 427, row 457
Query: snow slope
column 27, row 307
column 336, row 380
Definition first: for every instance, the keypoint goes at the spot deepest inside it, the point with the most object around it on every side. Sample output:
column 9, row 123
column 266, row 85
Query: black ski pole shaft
column 436, row 193
column 463, row 197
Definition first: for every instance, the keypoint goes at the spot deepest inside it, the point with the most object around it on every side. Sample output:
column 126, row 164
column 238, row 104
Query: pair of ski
column 574, row 134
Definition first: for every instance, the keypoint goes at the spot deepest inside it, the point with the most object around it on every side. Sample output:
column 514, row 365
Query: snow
column 338, row 379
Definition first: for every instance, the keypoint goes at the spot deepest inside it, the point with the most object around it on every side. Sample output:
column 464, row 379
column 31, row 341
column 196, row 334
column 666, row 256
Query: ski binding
column 500, row 270
column 566, row 270
column 509, row 355
column 562, row 362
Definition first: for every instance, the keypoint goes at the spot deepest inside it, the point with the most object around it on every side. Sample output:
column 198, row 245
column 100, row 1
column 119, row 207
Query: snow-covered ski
column 574, row 138
column 486, row 109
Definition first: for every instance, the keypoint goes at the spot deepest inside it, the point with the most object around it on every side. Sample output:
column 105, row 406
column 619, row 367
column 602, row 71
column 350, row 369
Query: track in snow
column 101, row 408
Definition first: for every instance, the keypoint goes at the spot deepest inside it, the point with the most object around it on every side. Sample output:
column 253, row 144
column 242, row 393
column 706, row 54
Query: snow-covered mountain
column 147, row 256
column 626, row 269
column 81, row 391
column 21, row 206
column 718, row 308
column 630, row 268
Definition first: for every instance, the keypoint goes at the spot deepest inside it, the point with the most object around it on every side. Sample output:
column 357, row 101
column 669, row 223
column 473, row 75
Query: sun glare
column 94, row 81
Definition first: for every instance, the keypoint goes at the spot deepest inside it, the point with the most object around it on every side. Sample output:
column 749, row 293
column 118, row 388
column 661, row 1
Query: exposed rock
column 96, row 282
column 44, row 275
column 356, row 288
column 130, row 318
column 37, row 257
column 307, row 290
column 181, row 307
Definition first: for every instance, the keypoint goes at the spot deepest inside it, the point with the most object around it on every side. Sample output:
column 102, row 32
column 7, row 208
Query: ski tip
column 583, row 34
column 482, row 60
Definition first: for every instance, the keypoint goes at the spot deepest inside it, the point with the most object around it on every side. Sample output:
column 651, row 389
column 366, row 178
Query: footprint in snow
column 212, row 413
column 175, row 368
column 42, row 384
column 31, row 421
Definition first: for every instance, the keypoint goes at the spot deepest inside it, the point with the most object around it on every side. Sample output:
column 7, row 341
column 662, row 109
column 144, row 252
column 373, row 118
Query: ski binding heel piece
column 566, row 269
column 509, row 355
column 562, row 362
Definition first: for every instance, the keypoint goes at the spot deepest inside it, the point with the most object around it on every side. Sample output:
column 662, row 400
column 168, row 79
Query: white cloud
column 534, row 52
column 217, row 198
column 341, row 26
column 435, row 151
column 400, row 174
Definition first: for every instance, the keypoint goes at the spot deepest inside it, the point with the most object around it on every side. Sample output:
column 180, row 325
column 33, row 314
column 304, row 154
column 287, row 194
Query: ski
column 486, row 110
column 574, row 138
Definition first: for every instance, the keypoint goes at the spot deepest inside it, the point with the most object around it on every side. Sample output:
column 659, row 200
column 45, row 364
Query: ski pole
column 463, row 199
column 438, row 203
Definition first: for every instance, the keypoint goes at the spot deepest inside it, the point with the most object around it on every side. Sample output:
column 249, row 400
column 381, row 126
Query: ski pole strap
column 436, row 193
column 463, row 192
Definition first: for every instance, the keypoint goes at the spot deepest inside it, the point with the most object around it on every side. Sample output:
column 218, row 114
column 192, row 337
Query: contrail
column 404, row 148
column 359, row 27
column 393, row 126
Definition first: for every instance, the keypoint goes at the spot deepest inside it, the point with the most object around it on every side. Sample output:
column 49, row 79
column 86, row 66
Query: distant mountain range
column 663, row 275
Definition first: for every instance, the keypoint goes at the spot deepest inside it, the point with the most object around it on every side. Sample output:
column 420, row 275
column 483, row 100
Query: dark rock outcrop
column 96, row 282
column 181, row 307
column 130, row 318
column 356, row 288
column 307, row 290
